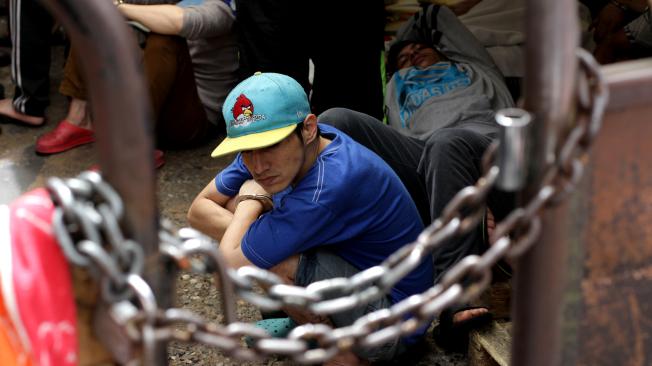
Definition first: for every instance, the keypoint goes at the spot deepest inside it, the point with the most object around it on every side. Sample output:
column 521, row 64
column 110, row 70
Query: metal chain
column 87, row 219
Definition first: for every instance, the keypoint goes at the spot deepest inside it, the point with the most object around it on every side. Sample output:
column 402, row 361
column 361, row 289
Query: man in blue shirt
column 306, row 201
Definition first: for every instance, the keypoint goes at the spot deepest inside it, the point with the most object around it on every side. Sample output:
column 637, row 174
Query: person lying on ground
column 441, row 76
column 441, row 103
column 189, row 56
column 306, row 202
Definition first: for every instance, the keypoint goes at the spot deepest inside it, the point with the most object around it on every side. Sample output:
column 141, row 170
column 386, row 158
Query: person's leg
column 30, row 27
column 178, row 112
column 76, row 128
column 452, row 160
column 320, row 264
column 400, row 152
column 271, row 38
column 346, row 44
column 72, row 84
column 173, row 94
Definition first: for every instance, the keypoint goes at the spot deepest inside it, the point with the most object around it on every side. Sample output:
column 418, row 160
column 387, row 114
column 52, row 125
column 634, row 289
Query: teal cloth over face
column 417, row 85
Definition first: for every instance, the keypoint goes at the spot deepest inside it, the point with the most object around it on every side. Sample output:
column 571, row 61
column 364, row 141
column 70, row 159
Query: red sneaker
column 64, row 137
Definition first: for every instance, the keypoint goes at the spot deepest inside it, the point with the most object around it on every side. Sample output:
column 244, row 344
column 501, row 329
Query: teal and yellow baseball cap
column 261, row 111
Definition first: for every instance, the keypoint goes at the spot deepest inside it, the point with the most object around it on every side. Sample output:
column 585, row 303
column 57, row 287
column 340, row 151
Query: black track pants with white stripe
column 31, row 29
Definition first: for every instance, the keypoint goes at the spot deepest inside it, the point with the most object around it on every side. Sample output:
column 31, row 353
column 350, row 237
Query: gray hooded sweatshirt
column 475, row 89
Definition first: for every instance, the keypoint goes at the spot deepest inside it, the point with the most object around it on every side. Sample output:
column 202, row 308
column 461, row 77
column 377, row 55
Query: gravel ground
column 196, row 292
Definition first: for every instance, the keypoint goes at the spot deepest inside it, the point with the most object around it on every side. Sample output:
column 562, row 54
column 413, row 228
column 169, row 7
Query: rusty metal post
column 613, row 285
column 121, row 119
column 552, row 37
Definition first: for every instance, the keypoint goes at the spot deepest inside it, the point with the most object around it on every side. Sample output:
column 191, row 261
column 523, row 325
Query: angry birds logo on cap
column 243, row 112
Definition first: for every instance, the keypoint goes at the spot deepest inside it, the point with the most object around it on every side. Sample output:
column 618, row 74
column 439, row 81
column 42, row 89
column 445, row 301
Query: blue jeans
column 320, row 264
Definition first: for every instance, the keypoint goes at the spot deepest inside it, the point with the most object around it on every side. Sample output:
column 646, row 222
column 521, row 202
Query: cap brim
column 253, row 141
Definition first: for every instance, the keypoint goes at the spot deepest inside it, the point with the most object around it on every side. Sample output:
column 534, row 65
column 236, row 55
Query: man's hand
column 251, row 190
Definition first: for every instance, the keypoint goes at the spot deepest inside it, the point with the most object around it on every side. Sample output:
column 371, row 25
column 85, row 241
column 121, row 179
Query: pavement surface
column 185, row 173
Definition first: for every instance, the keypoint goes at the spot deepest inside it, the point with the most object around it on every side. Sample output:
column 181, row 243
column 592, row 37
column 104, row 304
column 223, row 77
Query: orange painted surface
column 12, row 351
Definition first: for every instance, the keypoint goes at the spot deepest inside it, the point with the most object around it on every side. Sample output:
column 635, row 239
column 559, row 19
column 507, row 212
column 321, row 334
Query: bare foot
column 7, row 109
column 465, row 315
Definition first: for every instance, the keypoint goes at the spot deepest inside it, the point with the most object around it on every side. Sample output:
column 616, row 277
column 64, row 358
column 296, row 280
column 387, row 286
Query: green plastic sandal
column 277, row 328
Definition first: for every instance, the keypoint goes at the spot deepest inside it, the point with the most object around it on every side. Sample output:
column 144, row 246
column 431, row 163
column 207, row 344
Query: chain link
column 87, row 224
